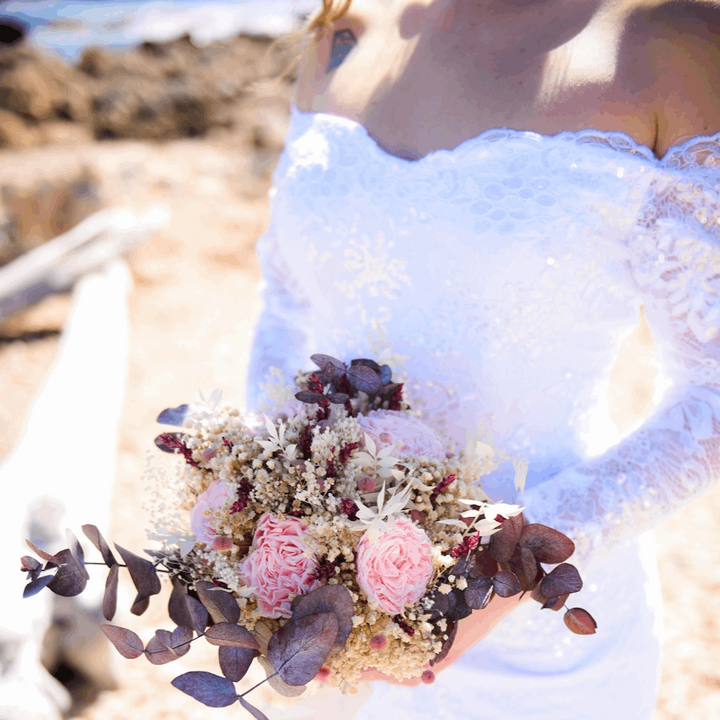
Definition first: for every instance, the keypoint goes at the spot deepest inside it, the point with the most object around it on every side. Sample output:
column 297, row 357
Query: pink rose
column 396, row 568
column 405, row 433
column 280, row 565
column 208, row 502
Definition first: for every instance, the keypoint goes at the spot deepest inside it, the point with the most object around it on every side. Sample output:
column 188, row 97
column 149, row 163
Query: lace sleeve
column 674, row 262
column 280, row 346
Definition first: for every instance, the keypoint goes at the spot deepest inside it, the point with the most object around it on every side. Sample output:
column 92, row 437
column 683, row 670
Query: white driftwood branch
column 56, row 265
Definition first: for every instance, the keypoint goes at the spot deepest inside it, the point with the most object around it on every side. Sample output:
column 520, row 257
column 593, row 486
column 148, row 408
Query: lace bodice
column 506, row 273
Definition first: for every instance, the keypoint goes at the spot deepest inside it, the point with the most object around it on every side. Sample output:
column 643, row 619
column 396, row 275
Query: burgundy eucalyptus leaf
column 109, row 605
column 503, row 543
column 181, row 638
column 564, row 579
column 299, row 648
column 580, row 621
column 96, row 538
column 199, row 616
column 30, row 564
column 235, row 661
column 338, row 398
column 322, row 361
column 37, row 584
column 524, row 565
column 207, row 688
column 70, row 579
column 174, row 416
column 452, row 629
column 481, row 562
column 277, row 683
column 143, row 572
column 364, row 379
column 177, row 607
column 257, row 714
column 479, row 592
column 126, row 642
column 221, row 604
column 140, row 604
column 328, row 598
column 77, row 552
column 232, row 635
column 556, row 603
column 45, row 556
column 546, row 544
column 368, row 362
column 460, row 609
column 160, row 650
column 309, row 397
column 506, row 584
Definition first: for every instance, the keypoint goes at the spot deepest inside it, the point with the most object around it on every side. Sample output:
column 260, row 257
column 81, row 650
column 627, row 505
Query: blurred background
column 181, row 107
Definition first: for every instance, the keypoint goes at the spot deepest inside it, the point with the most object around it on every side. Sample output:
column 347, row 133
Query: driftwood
column 59, row 263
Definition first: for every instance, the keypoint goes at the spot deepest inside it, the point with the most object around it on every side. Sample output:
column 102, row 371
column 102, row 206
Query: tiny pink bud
column 366, row 484
column 208, row 454
column 428, row 677
column 220, row 542
column 377, row 642
column 323, row 674
column 417, row 516
column 321, row 484
column 385, row 438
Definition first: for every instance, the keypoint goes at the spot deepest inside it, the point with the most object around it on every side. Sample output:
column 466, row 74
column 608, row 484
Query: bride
column 493, row 195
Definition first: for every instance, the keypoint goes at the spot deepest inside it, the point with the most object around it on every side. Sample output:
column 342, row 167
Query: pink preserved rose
column 207, row 503
column 280, row 565
column 405, row 433
column 396, row 568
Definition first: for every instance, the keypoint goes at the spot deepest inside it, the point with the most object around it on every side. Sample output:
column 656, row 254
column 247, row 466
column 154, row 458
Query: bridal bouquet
column 335, row 537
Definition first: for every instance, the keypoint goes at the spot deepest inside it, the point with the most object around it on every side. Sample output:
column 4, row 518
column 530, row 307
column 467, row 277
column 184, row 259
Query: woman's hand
column 470, row 630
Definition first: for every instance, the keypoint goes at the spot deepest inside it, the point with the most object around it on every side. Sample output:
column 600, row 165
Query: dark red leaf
column 580, row 621
column 221, row 604
column 233, row 635
column 308, row 397
column 77, row 552
column 211, row 690
column 452, row 629
column 503, row 543
column 460, row 609
column 546, row 544
column 126, row 642
column 564, row 579
column 37, row 584
column 45, row 556
column 328, row 598
column 143, row 572
column 299, row 648
column 506, row 584
column 109, row 606
column 556, row 603
column 366, row 361
column 198, row 614
column 140, row 604
column 235, row 661
column 479, row 592
column 365, row 379
column 96, row 538
column 164, row 647
column 480, row 562
column 70, row 580
column 177, row 607
column 338, row 398
column 253, row 710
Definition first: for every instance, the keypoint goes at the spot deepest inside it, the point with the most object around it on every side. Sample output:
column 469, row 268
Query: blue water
column 68, row 27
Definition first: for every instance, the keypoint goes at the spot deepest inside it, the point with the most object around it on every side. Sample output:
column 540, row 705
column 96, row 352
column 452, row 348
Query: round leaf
column 479, row 592
column 221, row 604
column 96, row 538
column 231, row 635
column 328, row 598
column 143, row 572
column 564, row 579
column 503, row 543
column 109, row 606
column 70, row 579
column 580, row 621
column 546, row 544
column 506, row 584
column 235, row 661
column 211, row 690
column 126, row 642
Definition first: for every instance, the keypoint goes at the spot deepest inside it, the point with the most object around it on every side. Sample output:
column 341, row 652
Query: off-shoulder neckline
column 627, row 142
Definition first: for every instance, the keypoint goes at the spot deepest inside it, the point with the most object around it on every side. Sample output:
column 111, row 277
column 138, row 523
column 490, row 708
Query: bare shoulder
column 677, row 45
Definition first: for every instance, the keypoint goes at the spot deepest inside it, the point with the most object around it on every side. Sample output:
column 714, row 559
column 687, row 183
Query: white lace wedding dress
column 507, row 271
